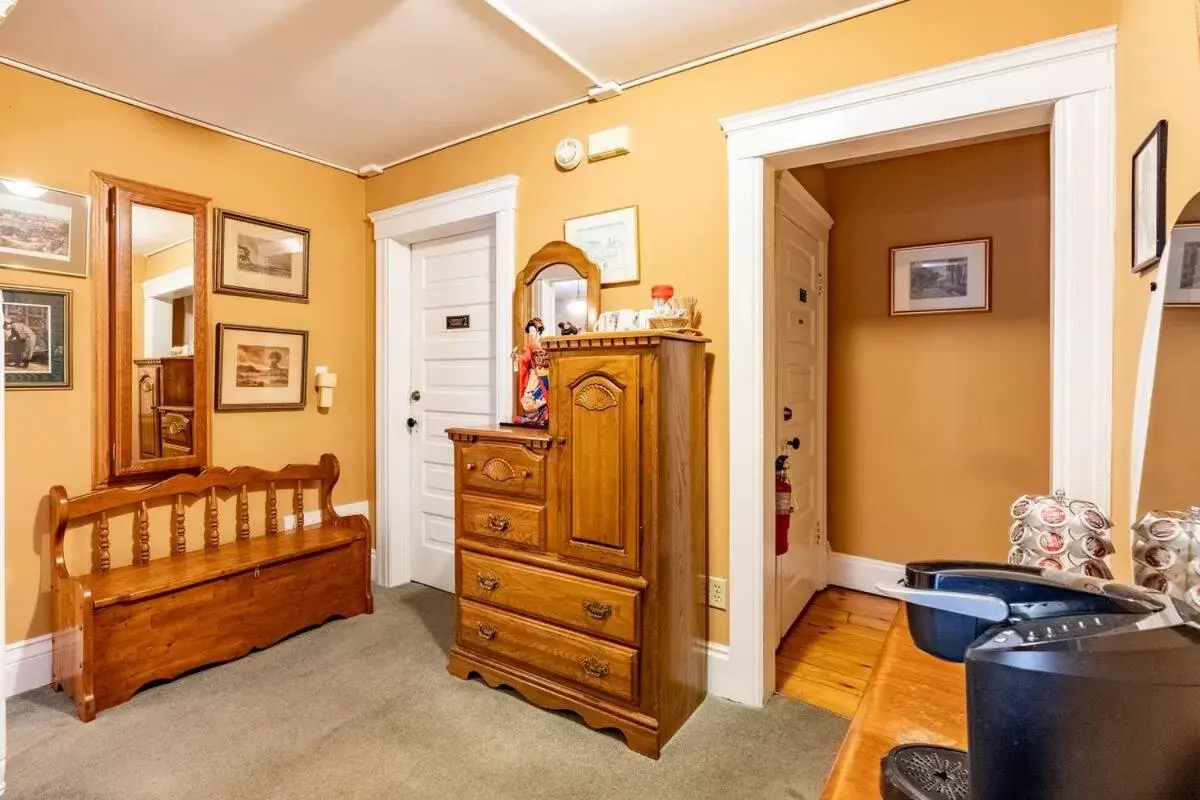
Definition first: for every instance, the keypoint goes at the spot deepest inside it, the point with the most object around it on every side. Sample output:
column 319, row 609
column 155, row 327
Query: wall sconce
column 326, row 381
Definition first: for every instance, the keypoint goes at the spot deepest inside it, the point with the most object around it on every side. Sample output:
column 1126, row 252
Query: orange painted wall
column 938, row 422
column 676, row 174
column 1158, row 73
column 54, row 135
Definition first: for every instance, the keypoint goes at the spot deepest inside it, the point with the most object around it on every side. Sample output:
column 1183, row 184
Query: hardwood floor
column 827, row 656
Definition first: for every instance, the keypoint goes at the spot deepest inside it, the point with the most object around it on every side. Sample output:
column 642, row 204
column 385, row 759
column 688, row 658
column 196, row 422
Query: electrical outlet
column 716, row 593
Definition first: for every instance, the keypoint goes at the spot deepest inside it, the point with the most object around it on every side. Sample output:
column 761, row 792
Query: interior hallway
column 827, row 656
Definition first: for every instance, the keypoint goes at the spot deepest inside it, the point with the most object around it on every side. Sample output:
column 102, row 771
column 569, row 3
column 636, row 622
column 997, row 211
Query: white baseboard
column 862, row 574
column 27, row 663
column 719, row 678
column 313, row 515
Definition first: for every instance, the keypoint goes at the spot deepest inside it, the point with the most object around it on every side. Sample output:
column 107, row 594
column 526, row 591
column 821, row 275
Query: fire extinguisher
column 783, row 505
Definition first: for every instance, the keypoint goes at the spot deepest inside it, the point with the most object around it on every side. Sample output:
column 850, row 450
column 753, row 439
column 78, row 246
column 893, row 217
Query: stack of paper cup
column 1055, row 532
column 1166, row 555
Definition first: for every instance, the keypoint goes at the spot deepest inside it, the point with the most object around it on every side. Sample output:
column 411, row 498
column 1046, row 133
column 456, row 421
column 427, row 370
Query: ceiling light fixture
column 576, row 306
column 5, row 7
column 22, row 188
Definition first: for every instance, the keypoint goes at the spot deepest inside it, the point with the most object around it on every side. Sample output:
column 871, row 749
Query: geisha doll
column 533, row 378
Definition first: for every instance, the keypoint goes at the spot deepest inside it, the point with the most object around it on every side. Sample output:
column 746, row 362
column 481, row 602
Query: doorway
column 1067, row 83
column 444, row 273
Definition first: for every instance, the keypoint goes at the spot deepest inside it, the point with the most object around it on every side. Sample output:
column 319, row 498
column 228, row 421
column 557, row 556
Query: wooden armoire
column 581, row 561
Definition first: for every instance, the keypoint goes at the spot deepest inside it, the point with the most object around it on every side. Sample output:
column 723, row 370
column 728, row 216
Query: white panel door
column 800, row 264
column 453, row 352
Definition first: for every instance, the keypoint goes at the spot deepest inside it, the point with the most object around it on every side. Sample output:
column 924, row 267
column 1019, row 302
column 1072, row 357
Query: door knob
column 793, row 443
column 411, row 423
column 415, row 396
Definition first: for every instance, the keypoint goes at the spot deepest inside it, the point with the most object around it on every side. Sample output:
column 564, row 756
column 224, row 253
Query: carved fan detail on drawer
column 498, row 470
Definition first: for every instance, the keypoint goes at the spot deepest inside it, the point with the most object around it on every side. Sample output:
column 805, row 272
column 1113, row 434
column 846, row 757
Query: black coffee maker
column 1077, row 688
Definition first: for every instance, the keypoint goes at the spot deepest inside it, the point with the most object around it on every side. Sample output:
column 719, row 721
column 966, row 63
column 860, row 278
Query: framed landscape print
column 610, row 240
column 42, row 229
column 260, row 258
column 1150, row 198
column 37, row 338
column 1183, row 277
column 941, row 278
column 260, row 368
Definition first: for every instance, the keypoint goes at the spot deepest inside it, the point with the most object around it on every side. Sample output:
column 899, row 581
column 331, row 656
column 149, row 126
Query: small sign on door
column 458, row 321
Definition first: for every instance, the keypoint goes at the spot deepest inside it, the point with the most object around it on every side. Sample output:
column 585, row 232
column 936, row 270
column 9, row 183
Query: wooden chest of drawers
column 581, row 560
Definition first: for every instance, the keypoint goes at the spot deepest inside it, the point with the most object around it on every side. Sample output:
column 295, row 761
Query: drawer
column 587, row 605
column 599, row 665
column 508, row 469
column 177, row 429
column 503, row 521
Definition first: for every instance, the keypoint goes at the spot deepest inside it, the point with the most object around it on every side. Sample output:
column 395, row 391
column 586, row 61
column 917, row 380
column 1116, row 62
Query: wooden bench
column 117, row 629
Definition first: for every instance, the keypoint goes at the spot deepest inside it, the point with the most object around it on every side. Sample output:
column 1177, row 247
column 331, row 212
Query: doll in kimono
column 533, row 377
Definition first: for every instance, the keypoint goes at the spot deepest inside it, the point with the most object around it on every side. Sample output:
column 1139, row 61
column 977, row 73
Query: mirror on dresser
column 153, row 377
column 560, row 288
column 1166, row 536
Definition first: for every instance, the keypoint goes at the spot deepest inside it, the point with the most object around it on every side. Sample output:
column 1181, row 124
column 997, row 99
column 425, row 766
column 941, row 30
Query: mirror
column 560, row 296
column 558, row 285
column 558, row 293
column 155, row 373
column 1167, row 533
column 163, row 328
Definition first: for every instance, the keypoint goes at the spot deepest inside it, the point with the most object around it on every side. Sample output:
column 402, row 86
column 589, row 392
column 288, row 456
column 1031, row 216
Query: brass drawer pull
column 597, row 610
column 488, row 582
column 498, row 522
column 593, row 666
column 526, row 473
column 486, row 631
column 470, row 467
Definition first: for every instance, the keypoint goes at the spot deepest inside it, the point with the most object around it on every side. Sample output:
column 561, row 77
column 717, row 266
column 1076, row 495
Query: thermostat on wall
column 609, row 143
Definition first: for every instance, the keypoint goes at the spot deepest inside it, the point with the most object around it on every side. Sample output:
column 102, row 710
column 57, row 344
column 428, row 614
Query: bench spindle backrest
column 100, row 505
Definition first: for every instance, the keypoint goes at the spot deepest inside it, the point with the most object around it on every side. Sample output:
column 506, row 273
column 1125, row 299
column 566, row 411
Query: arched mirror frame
column 113, row 457
column 552, row 254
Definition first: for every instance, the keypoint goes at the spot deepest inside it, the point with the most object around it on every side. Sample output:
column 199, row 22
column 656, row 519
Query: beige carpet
column 364, row 708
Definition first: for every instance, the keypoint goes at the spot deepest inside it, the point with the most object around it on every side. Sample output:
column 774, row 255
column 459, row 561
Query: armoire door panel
column 597, row 419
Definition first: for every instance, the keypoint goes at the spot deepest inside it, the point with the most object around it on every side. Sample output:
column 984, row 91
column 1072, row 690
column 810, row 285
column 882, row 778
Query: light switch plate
column 716, row 593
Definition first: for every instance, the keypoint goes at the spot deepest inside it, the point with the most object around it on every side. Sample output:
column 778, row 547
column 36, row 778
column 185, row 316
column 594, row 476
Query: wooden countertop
column 911, row 697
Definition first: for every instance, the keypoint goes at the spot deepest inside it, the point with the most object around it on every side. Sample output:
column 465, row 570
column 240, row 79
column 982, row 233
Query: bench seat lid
column 172, row 573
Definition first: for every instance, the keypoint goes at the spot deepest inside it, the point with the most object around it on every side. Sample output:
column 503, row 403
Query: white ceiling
column 156, row 229
column 358, row 82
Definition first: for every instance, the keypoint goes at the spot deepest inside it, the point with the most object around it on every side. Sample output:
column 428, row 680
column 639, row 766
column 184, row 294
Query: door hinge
column 114, row 457
column 112, row 211
column 641, row 395
column 820, row 283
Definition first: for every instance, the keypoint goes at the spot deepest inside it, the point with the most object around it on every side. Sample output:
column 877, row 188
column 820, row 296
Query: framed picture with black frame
column 1149, row 199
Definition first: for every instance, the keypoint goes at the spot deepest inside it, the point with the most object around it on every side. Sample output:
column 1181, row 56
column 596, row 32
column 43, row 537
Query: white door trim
column 491, row 204
column 1074, row 75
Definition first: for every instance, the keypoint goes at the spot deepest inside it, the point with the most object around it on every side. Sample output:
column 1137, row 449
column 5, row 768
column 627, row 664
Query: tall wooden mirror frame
column 112, row 287
column 552, row 254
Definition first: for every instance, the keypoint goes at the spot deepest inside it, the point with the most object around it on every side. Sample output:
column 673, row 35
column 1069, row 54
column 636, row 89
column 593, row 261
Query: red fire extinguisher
column 783, row 505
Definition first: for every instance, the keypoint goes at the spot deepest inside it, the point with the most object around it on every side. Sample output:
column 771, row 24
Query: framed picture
column 1183, row 276
column 43, row 229
column 37, row 338
column 260, row 258
column 610, row 240
column 261, row 368
column 1149, row 206
column 941, row 278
